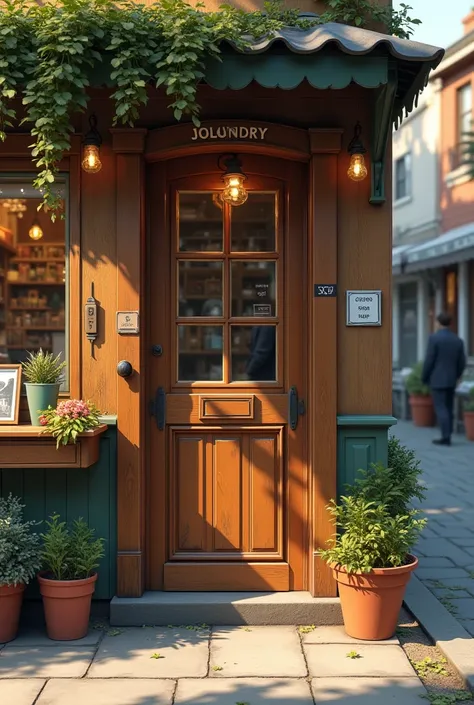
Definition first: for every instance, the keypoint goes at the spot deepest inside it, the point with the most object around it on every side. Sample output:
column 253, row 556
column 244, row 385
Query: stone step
column 225, row 608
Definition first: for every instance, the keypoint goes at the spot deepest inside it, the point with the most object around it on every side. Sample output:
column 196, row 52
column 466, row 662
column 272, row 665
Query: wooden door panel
column 226, row 489
column 265, row 494
column 263, row 577
column 188, row 484
column 195, row 409
column 226, row 498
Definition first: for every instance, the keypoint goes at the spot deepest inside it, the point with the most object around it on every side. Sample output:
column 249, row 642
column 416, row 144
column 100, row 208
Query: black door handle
column 296, row 407
column 158, row 408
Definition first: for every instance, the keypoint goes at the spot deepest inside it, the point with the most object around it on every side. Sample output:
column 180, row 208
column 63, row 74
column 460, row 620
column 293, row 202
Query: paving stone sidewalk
column 203, row 666
column 446, row 549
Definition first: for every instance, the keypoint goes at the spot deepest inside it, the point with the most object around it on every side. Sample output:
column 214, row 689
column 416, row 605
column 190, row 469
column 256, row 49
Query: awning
column 324, row 56
column 454, row 246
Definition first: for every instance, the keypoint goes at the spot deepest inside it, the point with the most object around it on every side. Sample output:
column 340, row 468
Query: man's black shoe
column 442, row 442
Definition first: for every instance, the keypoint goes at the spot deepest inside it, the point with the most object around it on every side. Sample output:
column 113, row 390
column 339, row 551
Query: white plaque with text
column 364, row 308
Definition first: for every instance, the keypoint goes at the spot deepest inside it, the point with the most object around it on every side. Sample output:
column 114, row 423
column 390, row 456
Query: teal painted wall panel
column 89, row 493
column 361, row 441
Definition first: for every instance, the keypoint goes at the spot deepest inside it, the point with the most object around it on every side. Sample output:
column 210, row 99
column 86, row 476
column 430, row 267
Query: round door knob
column 124, row 369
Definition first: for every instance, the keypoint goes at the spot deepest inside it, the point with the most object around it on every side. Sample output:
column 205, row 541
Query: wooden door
column 227, row 304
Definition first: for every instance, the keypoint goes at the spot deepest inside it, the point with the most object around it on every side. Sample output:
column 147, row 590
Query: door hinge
column 158, row 408
column 296, row 407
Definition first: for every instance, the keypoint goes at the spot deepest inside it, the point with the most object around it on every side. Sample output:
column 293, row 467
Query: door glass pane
column 253, row 225
column 200, row 353
column 200, row 289
column 253, row 353
column 253, row 288
column 199, row 222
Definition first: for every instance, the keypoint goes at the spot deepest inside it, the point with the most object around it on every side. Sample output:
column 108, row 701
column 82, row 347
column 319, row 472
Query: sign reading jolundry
column 225, row 132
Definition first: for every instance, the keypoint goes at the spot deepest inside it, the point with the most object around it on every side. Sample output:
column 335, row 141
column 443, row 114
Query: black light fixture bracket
column 93, row 136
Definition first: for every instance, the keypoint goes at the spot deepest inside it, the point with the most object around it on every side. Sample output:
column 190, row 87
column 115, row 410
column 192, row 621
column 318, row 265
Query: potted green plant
column 19, row 561
column 371, row 555
column 69, row 419
column 469, row 415
column 43, row 372
column 421, row 403
column 70, row 559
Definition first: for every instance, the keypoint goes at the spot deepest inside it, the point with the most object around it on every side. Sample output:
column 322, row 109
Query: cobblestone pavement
column 203, row 666
column 446, row 549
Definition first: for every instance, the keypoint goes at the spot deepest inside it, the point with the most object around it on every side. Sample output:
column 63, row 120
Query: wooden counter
column 27, row 446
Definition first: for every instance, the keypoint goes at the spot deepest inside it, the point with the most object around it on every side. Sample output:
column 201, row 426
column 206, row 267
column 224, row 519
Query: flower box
column 29, row 447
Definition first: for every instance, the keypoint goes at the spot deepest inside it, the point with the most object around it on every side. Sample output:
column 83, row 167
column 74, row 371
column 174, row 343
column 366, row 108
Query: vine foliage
column 49, row 52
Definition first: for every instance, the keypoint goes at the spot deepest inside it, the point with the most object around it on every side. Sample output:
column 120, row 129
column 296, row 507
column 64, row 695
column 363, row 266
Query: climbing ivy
column 48, row 53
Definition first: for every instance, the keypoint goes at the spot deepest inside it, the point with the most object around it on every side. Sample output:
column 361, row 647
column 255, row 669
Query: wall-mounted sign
column 127, row 323
column 325, row 290
column 225, row 132
column 364, row 308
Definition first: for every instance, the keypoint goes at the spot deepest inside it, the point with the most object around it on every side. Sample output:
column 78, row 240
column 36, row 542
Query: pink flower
column 43, row 420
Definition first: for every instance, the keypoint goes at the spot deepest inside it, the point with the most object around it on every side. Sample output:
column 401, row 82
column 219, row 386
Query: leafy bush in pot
column 70, row 554
column 43, row 368
column 414, row 383
column 370, row 537
column 395, row 486
column 19, row 546
column 377, row 526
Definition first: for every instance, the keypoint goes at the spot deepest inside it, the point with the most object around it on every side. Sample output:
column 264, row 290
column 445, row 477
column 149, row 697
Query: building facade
column 433, row 217
column 238, row 387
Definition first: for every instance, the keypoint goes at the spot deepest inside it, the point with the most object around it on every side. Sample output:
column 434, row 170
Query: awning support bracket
column 382, row 129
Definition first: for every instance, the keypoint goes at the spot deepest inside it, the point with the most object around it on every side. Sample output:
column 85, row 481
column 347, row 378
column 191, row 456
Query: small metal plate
column 128, row 323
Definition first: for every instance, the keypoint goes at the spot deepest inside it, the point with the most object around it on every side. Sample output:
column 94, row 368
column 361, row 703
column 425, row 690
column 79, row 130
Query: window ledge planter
column 28, row 447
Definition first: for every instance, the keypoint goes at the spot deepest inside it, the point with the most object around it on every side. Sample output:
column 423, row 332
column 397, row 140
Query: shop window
column 463, row 121
column 33, row 274
column 403, row 177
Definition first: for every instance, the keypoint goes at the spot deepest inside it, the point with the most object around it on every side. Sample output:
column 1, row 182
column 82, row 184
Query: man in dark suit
column 444, row 364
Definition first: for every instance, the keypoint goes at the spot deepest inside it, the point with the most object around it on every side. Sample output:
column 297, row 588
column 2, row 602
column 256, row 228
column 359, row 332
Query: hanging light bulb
column 234, row 191
column 91, row 148
column 357, row 170
column 35, row 232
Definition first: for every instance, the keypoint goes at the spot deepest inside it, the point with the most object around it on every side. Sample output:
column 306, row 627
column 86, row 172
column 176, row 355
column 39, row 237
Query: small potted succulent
column 469, row 415
column 44, row 373
column 19, row 561
column 70, row 558
column 371, row 556
column 421, row 403
column 69, row 419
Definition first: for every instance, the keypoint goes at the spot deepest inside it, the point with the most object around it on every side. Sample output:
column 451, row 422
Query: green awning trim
column 287, row 71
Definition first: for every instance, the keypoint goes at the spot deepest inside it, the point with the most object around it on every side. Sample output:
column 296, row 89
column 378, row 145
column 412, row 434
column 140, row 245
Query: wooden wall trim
column 128, row 140
column 130, row 391
column 75, row 279
column 325, row 140
column 322, row 428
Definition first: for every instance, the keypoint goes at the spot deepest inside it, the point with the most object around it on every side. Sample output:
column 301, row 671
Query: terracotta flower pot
column 371, row 602
column 422, row 411
column 67, row 606
column 11, row 598
column 469, row 425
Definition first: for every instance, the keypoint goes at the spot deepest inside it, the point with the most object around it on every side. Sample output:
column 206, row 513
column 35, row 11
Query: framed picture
column 10, row 384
